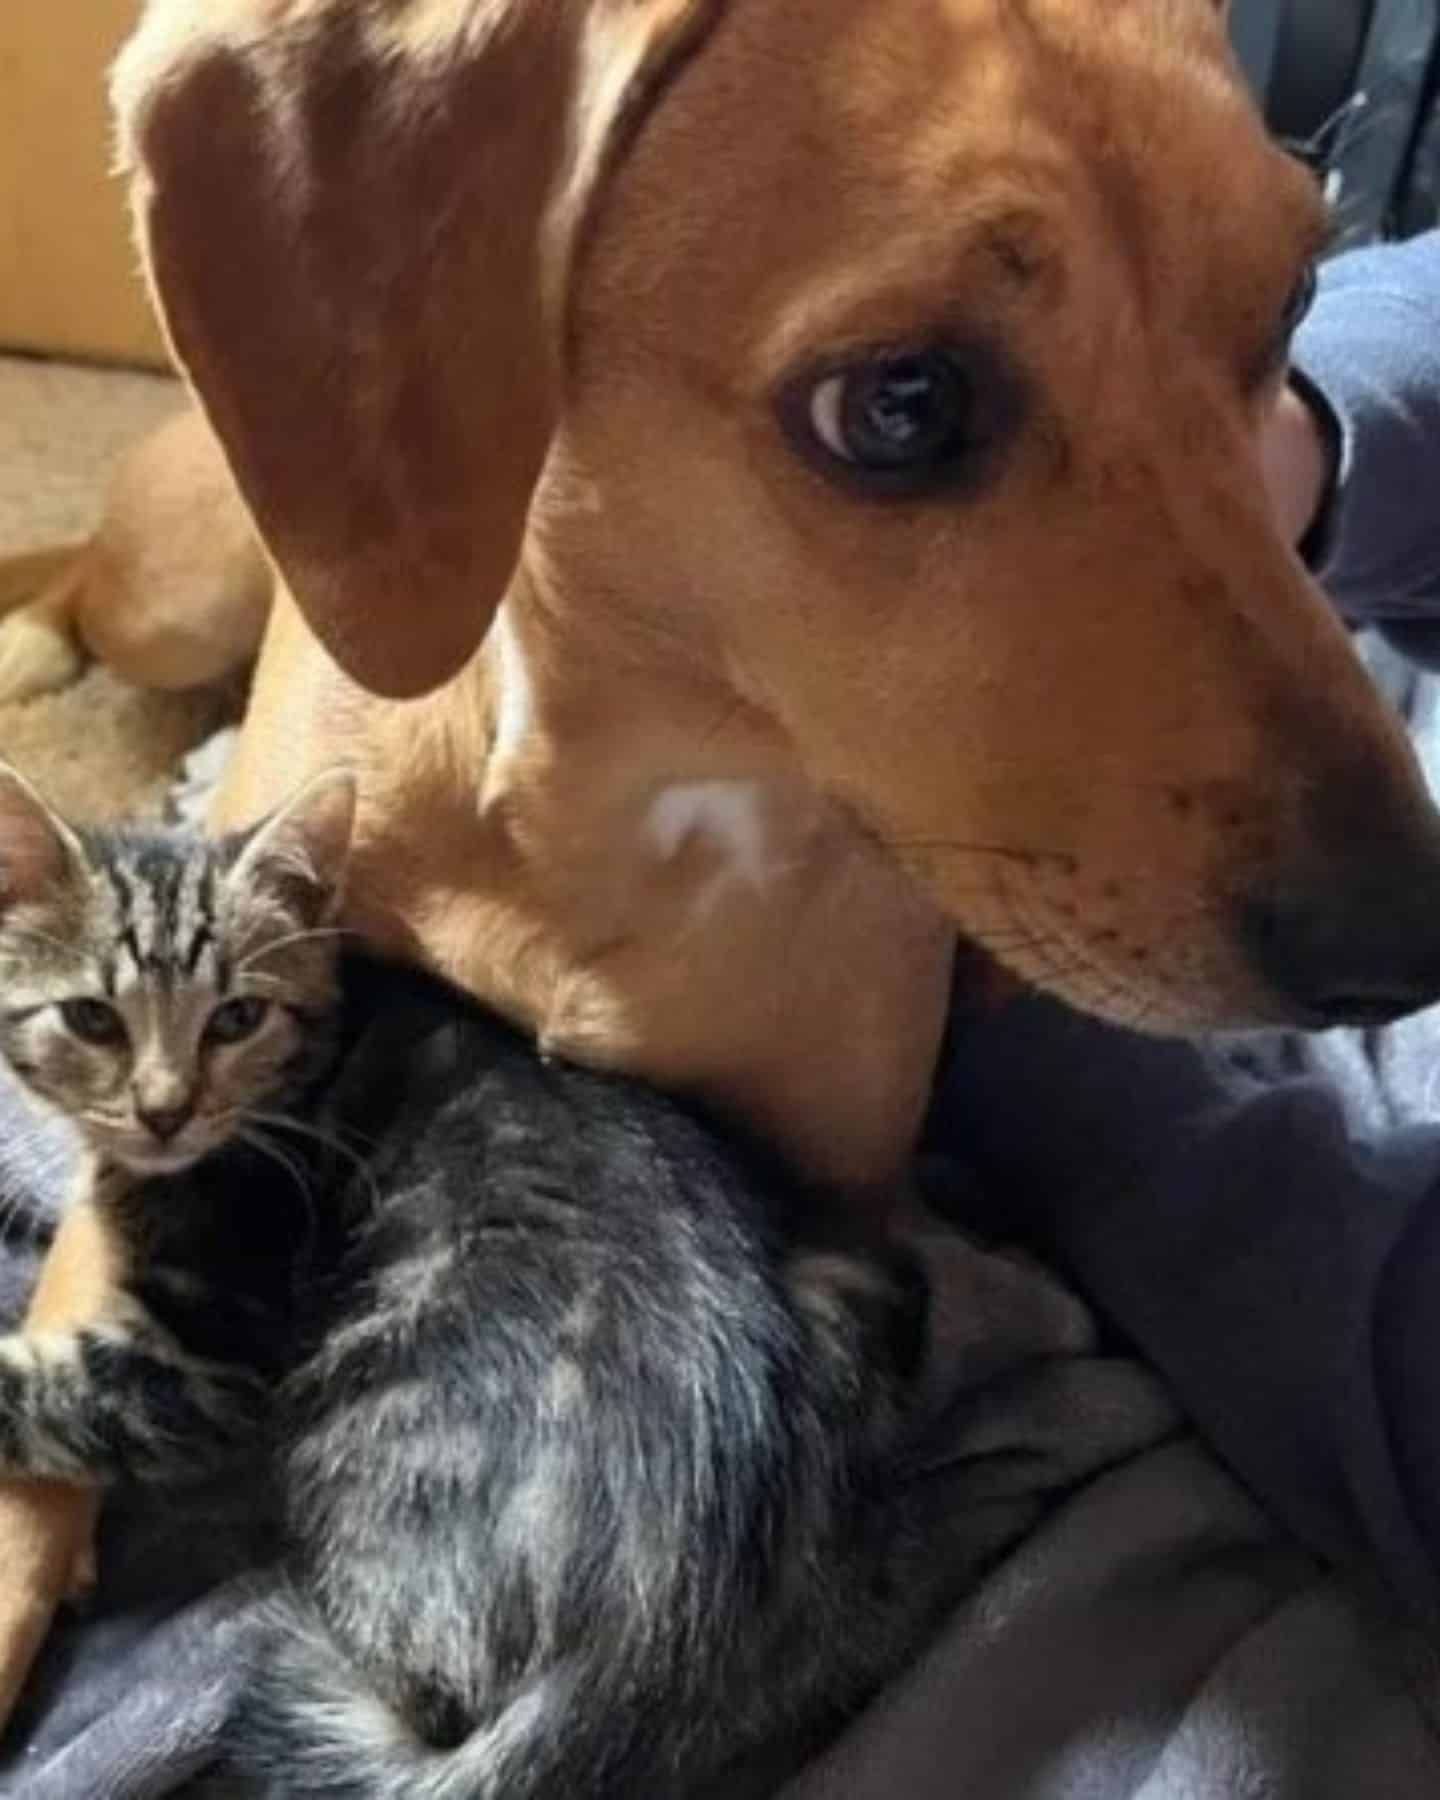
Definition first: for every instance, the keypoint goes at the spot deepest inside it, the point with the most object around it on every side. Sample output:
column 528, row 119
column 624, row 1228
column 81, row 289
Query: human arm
column 1353, row 447
column 1278, row 1265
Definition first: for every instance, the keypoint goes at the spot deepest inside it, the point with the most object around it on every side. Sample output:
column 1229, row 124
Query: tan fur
column 915, row 690
column 103, row 746
column 491, row 300
column 171, row 592
column 24, row 576
column 46, row 1528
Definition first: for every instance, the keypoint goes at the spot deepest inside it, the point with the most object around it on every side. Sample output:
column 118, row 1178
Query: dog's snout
column 1356, row 951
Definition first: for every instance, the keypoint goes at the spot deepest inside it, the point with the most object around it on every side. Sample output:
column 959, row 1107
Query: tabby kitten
column 584, row 1462
column 174, row 998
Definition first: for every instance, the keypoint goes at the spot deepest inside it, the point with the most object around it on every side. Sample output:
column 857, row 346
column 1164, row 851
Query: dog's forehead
column 917, row 146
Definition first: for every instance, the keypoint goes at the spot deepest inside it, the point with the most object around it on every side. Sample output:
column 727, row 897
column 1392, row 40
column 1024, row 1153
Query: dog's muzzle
column 1358, row 943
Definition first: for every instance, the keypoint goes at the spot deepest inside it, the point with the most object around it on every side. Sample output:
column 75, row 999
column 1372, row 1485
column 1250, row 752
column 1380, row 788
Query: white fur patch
column 534, row 1526
column 726, row 812
column 24, row 1352
column 514, row 704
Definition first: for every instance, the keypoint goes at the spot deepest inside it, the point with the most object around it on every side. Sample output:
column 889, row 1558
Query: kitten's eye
column 93, row 1022
column 236, row 1019
column 906, row 422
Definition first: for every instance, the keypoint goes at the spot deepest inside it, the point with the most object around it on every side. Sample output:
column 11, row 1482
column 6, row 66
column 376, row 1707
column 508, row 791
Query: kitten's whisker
column 294, row 937
column 335, row 1139
column 328, row 1140
column 258, row 1141
column 33, row 936
column 15, row 1212
column 107, row 1121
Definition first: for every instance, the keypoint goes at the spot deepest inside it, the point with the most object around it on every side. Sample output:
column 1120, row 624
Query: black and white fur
column 585, row 1460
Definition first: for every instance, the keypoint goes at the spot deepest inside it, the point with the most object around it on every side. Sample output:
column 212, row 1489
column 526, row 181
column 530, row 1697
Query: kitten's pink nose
column 164, row 1122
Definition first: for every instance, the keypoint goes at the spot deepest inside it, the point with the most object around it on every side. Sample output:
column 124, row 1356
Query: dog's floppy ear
column 357, row 217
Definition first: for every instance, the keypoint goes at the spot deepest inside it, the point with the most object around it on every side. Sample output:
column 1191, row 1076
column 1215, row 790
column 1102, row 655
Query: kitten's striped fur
column 585, row 1468
column 160, row 933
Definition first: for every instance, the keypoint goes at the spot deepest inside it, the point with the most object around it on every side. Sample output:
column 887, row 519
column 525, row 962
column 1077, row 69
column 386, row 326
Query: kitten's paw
column 37, row 654
column 234, row 1403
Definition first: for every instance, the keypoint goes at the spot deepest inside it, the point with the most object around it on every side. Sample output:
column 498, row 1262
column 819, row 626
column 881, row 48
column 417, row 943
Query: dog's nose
column 164, row 1122
column 1362, row 953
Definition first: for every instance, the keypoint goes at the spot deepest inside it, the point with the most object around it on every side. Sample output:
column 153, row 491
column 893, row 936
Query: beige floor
column 61, row 428
column 97, row 747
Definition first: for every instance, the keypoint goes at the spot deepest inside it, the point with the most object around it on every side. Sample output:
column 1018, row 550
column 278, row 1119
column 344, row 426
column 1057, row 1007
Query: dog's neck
column 604, row 841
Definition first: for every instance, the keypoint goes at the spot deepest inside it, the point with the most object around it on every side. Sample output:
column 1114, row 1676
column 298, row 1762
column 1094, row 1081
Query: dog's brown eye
column 901, row 423
column 891, row 415
column 237, row 1019
column 93, row 1022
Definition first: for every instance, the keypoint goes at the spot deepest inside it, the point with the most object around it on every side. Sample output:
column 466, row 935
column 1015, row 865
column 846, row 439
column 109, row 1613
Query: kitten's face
column 165, row 993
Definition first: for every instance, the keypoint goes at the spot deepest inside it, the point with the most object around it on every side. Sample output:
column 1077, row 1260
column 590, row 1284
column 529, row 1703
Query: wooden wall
column 68, row 277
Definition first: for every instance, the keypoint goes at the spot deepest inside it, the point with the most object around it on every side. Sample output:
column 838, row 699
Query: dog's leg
column 24, row 577
column 171, row 592
column 39, row 649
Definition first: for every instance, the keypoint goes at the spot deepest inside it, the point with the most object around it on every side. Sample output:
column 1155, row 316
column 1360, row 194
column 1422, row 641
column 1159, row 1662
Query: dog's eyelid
column 1302, row 295
column 825, row 412
column 1296, row 308
column 904, row 421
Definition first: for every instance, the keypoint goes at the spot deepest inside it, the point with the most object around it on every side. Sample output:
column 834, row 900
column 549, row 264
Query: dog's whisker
column 988, row 937
column 721, row 723
column 1059, row 960
column 1012, row 853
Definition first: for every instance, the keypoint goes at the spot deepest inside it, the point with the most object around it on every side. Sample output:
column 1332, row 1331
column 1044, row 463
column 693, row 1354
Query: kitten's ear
column 300, row 852
column 38, row 851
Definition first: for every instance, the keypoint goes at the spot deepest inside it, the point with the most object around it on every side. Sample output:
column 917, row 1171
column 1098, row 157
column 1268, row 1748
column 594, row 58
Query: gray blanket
column 1126, row 1623
column 1135, row 1627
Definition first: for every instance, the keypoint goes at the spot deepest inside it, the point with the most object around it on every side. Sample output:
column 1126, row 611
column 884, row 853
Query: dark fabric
column 1302, row 58
column 1144, row 1630
column 1351, row 86
column 1371, row 346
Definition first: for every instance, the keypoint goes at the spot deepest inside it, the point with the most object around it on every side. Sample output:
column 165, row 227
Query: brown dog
column 791, row 468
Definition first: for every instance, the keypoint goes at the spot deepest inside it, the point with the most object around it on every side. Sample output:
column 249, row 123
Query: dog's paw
column 37, row 654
